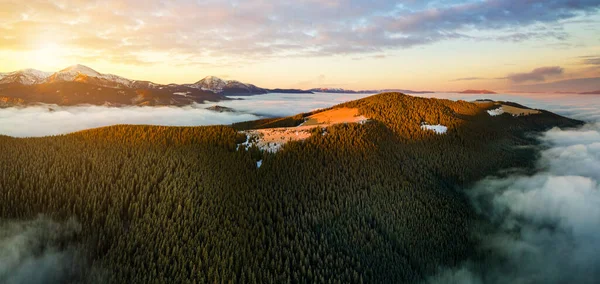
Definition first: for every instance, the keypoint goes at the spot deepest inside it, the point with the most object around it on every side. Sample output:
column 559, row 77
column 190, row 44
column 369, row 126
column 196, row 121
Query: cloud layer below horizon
column 47, row 120
column 54, row 120
column 546, row 225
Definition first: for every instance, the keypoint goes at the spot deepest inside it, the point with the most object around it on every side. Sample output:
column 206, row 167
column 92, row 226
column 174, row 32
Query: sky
column 439, row 45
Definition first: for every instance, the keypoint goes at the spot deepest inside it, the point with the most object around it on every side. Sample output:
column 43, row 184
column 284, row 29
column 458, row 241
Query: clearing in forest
column 272, row 139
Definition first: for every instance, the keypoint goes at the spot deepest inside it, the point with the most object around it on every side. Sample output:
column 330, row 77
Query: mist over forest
column 338, row 141
column 43, row 120
column 515, row 214
column 546, row 224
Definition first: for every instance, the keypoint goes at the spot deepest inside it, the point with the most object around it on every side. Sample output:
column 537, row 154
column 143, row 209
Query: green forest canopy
column 379, row 202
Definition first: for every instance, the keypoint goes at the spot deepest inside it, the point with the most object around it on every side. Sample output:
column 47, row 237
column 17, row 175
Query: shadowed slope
column 373, row 202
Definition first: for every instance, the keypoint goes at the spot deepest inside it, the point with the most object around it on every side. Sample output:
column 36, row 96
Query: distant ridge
column 25, row 77
column 80, row 84
column 227, row 87
column 374, row 91
column 477, row 92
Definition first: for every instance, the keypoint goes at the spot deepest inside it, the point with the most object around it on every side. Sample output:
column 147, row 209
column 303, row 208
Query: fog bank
column 38, row 251
column 52, row 120
column 44, row 120
column 582, row 107
column 546, row 225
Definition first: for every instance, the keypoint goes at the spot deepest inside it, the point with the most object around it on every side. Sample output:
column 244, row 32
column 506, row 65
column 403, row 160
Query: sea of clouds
column 546, row 226
column 44, row 120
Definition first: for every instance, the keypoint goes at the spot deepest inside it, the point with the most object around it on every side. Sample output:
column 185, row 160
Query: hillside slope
column 359, row 203
column 75, row 93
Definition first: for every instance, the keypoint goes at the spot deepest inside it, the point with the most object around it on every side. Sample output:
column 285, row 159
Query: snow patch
column 496, row 112
column 184, row 94
column 258, row 164
column 272, row 139
column 438, row 128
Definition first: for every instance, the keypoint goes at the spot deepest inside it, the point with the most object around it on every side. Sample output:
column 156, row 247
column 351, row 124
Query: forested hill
column 356, row 203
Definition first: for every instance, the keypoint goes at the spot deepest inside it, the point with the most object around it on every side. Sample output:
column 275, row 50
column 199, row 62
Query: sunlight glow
column 49, row 55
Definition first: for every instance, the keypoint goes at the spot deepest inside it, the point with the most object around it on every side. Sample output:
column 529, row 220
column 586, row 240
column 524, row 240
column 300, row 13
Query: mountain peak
column 82, row 69
column 82, row 73
column 211, row 83
column 25, row 77
column 229, row 87
column 210, row 77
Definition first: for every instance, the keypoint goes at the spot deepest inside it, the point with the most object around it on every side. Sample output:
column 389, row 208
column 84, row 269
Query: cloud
column 592, row 61
column 546, row 225
column 52, row 120
column 34, row 252
column 232, row 31
column 529, row 35
column 582, row 107
column 536, row 75
column 469, row 79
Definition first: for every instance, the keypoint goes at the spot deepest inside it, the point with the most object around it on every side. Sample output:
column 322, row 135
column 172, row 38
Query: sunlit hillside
column 369, row 202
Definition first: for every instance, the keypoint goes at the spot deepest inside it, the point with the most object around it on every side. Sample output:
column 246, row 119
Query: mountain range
column 79, row 84
column 373, row 91
column 477, row 92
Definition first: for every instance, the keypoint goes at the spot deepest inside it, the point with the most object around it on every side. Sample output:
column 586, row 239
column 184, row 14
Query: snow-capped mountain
column 79, row 84
column 329, row 90
column 25, row 77
column 72, row 72
column 84, row 74
column 227, row 87
column 210, row 83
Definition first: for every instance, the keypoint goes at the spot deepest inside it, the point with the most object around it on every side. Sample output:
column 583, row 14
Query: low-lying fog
column 47, row 120
column 582, row 107
column 546, row 226
column 52, row 120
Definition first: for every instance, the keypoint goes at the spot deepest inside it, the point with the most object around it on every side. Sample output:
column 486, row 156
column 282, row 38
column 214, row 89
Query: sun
column 48, row 55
